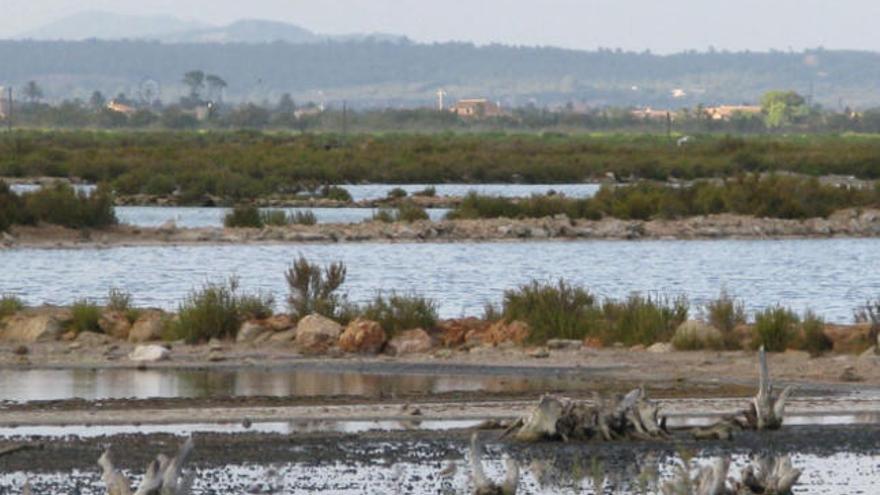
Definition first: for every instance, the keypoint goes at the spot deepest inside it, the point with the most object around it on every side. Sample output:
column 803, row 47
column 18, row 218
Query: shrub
column 9, row 305
column 121, row 301
column 813, row 334
column 336, row 193
column 84, row 316
column 216, row 311
column 313, row 289
column 775, row 328
column 428, row 192
column 643, row 319
column 411, row 212
column 384, row 215
column 870, row 314
column 399, row 312
column 160, row 185
column 725, row 313
column 276, row 218
column 244, row 216
column 118, row 300
column 306, row 217
column 691, row 341
column 553, row 311
column 397, row 193
column 62, row 205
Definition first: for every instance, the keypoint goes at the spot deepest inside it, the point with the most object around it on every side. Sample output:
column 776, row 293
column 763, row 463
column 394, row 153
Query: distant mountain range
column 169, row 29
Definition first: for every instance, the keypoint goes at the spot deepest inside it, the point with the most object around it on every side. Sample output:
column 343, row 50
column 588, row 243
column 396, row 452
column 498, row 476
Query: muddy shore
column 845, row 223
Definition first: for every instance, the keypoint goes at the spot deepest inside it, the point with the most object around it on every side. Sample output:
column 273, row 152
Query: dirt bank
column 846, row 223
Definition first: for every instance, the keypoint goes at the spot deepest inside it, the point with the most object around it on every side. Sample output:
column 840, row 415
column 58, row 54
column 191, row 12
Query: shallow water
column 124, row 383
column 831, row 276
column 361, row 192
column 198, row 217
column 828, row 474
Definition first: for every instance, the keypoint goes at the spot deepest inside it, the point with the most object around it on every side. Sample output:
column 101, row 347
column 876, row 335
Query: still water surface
column 198, row 217
column 831, row 276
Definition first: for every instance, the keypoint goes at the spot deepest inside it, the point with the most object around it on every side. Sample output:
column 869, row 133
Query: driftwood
column 164, row 476
column 482, row 484
column 632, row 416
column 764, row 475
column 763, row 413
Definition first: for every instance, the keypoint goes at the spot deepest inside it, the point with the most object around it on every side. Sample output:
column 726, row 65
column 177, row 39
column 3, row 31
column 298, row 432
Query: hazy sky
column 659, row 25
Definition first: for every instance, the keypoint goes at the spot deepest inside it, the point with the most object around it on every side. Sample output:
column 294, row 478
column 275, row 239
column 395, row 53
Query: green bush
column 275, row 218
column 314, row 290
column 775, row 329
column 216, row 311
column 399, row 312
column 553, row 311
column 813, row 334
column 336, row 193
column 384, row 215
column 643, row 319
column 411, row 212
column 306, row 217
column 397, row 193
column 160, row 185
column 61, row 205
column 85, row 315
column 119, row 300
column 725, row 313
column 9, row 305
column 244, row 216
column 428, row 192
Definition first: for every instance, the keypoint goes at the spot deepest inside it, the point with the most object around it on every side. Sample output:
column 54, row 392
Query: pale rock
column 316, row 334
column 149, row 353
column 250, row 330
column 410, row 342
column 25, row 327
column 660, row 348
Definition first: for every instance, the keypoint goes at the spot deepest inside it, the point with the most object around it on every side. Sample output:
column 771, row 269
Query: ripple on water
column 832, row 276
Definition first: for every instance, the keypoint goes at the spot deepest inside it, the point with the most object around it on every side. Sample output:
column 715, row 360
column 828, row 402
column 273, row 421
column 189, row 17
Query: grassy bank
column 246, row 165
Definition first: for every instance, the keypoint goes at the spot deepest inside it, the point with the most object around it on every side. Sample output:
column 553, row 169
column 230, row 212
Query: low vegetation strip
column 237, row 166
column 321, row 319
column 57, row 205
column 770, row 196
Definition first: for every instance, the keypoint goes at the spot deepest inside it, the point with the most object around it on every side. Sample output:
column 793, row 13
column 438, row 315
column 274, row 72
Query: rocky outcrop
column 148, row 327
column 501, row 332
column 316, row 334
column 410, row 342
column 454, row 333
column 362, row 337
column 115, row 324
column 34, row 326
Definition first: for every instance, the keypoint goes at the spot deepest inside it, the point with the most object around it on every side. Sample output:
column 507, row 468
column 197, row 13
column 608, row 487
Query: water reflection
column 32, row 385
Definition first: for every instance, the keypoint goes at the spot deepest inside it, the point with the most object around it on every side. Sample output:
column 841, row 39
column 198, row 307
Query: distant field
column 241, row 165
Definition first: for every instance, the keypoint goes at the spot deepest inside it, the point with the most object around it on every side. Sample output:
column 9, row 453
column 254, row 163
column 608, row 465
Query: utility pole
column 8, row 109
column 344, row 119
